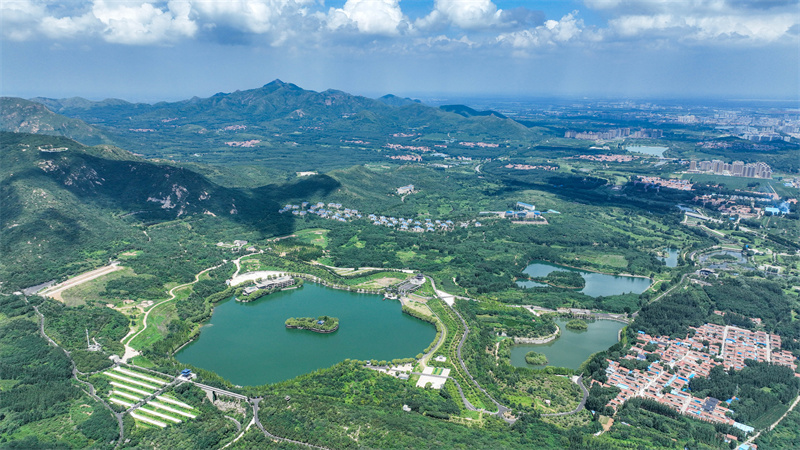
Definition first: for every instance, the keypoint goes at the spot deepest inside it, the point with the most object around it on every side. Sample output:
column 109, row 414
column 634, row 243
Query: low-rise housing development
column 674, row 362
column 672, row 183
column 335, row 211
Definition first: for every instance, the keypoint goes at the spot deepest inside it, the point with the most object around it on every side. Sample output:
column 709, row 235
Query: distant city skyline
column 158, row 50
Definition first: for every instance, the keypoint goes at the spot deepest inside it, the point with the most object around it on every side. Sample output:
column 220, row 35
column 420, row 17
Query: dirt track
column 54, row 292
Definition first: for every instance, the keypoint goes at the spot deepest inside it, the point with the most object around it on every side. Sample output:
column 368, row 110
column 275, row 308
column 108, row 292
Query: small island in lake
column 577, row 325
column 322, row 324
column 537, row 359
column 563, row 279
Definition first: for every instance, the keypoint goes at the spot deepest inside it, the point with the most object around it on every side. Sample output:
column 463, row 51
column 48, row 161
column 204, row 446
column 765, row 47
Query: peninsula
column 322, row 324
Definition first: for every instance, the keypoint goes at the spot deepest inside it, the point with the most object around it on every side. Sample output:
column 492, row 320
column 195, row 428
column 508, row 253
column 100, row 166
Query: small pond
column 597, row 284
column 672, row 257
column 248, row 343
column 572, row 348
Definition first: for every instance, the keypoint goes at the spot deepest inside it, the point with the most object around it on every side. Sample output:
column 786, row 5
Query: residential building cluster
column 234, row 128
column 736, row 169
column 419, row 148
column 250, row 143
column 406, row 157
column 676, row 361
column 335, row 211
column 608, row 158
column 142, row 130
column 530, row 167
column 405, row 135
column 672, row 183
column 644, row 133
column 479, row 144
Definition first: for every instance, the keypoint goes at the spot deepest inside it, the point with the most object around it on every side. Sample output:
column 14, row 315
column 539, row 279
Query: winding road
column 129, row 351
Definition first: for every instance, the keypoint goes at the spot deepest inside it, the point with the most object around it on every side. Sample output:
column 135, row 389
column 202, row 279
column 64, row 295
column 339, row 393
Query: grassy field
column 313, row 236
column 91, row 290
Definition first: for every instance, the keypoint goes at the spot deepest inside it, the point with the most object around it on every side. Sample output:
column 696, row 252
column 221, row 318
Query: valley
column 181, row 236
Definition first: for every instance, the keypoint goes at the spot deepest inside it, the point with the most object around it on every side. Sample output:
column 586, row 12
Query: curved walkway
column 501, row 409
column 581, row 405
column 129, row 351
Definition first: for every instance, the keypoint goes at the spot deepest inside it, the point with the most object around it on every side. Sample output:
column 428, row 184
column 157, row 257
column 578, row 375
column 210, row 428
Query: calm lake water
column 597, row 284
column 672, row 257
column 248, row 344
column 572, row 348
column 654, row 151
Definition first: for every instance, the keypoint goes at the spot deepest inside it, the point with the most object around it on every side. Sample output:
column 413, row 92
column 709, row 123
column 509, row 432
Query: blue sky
column 170, row 50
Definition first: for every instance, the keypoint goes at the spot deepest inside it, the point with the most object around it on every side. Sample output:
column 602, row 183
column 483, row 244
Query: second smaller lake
column 572, row 348
column 597, row 284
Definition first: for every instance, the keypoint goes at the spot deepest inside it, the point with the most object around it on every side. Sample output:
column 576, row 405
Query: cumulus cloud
column 468, row 15
column 144, row 23
column 383, row 17
column 19, row 19
column 700, row 21
column 253, row 16
column 551, row 33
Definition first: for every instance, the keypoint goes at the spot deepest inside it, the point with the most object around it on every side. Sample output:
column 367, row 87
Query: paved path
column 129, row 351
column 752, row 438
column 56, row 291
column 91, row 391
column 581, row 405
column 501, row 409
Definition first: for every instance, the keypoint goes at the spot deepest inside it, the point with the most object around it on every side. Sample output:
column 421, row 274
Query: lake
column 248, row 343
column 653, row 151
column 572, row 348
column 597, row 284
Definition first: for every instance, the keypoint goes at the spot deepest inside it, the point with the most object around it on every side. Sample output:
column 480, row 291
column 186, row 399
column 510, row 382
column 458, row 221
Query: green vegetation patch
column 577, row 325
column 321, row 324
column 537, row 359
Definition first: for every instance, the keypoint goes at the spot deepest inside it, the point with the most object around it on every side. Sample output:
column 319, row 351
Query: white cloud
column 254, row 16
column 382, row 17
column 144, row 23
column 700, row 21
column 551, row 33
column 754, row 28
column 465, row 14
column 19, row 18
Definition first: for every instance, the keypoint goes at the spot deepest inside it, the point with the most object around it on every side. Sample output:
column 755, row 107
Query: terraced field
column 130, row 387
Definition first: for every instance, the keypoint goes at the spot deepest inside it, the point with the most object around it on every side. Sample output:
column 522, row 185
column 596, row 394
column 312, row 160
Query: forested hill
column 276, row 109
column 60, row 197
column 19, row 115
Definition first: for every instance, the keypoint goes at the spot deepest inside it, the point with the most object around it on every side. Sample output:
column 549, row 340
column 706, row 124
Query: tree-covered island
column 535, row 358
column 577, row 325
column 322, row 324
column 563, row 279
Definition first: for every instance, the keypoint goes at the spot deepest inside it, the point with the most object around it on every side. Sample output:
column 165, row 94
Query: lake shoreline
column 543, row 340
column 315, row 330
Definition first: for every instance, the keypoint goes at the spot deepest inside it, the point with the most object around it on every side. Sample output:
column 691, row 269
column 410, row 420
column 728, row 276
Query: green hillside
column 61, row 198
column 276, row 122
column 24, row 116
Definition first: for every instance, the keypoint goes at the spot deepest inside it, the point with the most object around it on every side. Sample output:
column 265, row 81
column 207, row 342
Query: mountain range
column 264, row 124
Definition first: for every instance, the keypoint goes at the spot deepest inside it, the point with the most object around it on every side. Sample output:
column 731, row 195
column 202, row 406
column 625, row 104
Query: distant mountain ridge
column 466, row 111
column 272, row 105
